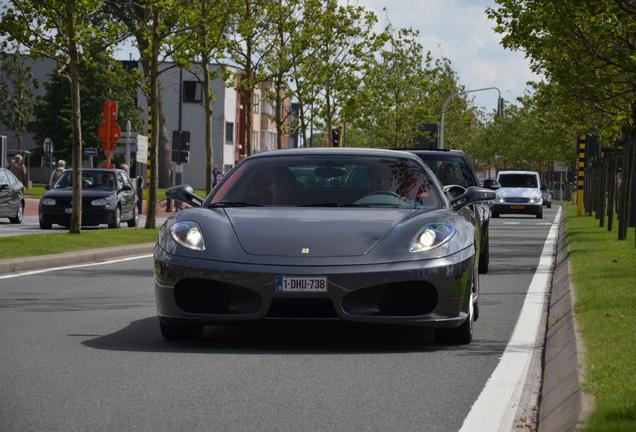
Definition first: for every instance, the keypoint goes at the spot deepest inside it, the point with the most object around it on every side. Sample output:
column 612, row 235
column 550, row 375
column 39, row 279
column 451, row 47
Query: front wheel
column 180, row 332
column 116, row 221
column 461, row 335
column 132, row 223
column 19, row 215
column 540, row 215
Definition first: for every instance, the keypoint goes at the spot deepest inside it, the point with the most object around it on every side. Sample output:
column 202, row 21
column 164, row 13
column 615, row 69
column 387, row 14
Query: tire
column 484, row 256
column 132, row 223
column 116, row 219
column 549, row 205
column 45, row 225
column 463, row 334
column 180, row 332
column 19, row 216
column 540, row 214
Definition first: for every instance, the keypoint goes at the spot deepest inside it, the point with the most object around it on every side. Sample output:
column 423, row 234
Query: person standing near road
column 55, row 175
column 216, row 175
column 19, row 170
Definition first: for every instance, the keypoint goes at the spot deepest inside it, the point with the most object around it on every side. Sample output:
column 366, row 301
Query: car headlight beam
column 431, row 236
column 188, row 234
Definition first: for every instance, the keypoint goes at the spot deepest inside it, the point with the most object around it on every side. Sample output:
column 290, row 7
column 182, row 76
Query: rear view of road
column 82, row 351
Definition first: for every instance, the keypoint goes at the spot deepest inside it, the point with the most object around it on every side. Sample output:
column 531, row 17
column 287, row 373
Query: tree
column 71, row 32
column 248, row 48
column 103, row 79
column 16, row 94
column 204, row 25
column 585, row 48
column 345, row 38
column 152, row 24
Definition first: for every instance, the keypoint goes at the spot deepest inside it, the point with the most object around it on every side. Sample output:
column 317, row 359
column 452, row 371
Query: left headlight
column 188, row 234
column 535, row 199
column 431, row 236
column 99, row 202
column 500, row 199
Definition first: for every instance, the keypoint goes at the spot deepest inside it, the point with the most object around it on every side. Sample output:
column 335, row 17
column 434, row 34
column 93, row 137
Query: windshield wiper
column 332, row 204
column 233, row 204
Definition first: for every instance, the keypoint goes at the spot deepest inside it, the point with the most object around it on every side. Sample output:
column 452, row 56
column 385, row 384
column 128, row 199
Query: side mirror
column 126, row 188
column 472, row 195
column 47, row 187
column 544, row 187
column 184, row 193
column 454, row 191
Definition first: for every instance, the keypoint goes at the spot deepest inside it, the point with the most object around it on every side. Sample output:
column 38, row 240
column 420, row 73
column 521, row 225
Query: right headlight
column 188, row 234
column 500, row 199
column 48, row 201
column 431, row 236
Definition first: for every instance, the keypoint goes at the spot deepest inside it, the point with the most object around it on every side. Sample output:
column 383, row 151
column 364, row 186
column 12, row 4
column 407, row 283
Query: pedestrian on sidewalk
column 57, row 173
column 216, row 175
column 19, row 170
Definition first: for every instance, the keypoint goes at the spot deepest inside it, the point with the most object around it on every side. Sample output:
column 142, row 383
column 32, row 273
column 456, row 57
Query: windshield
column 92, row 180
column 518, row 180
column 450, row 171
column 328, row 181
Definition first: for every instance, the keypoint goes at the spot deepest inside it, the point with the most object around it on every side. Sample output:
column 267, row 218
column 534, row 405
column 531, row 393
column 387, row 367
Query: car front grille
column 517, row 200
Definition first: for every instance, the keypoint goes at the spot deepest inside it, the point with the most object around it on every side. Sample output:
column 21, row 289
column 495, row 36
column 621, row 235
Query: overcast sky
column 461, row 31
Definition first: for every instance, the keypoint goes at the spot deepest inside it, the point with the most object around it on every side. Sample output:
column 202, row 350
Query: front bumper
column 90, row 215
column 520, row 208
column 433, row 292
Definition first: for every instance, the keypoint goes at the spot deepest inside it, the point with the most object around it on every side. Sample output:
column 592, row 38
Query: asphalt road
column 81, row 350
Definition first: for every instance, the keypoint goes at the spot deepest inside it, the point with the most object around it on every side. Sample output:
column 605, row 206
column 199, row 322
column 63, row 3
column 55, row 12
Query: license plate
column 68, row 210
column 285, row 284
column 517, row 207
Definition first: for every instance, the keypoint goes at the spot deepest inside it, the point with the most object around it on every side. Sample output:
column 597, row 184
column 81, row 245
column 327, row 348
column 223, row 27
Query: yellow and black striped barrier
column 580, row 177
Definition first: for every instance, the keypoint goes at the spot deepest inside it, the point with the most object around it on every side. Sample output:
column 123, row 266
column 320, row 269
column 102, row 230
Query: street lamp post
column 440, row 137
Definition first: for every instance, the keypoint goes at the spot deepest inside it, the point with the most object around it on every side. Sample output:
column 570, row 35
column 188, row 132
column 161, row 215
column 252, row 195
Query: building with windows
column 229, row 120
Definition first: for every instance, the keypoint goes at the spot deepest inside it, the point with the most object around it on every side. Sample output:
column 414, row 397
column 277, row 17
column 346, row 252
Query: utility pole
column 440, row 136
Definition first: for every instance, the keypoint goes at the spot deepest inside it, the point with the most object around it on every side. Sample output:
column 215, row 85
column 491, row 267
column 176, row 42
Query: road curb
column 563, row 407
column 24, row 264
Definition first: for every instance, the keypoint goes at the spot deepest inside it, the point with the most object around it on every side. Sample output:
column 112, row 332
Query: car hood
column 288, row 231
column 68, row 193
column 519, row 192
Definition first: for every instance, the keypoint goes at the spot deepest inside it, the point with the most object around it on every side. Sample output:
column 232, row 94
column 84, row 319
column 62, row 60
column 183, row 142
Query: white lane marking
column 511, row 223
column 34, row 272
column 495, row 408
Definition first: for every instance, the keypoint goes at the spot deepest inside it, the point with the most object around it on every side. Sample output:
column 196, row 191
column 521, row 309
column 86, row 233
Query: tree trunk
column 328, row 120
column 153, row 143
column 164, row 149
column 73, row 66
column 278, row 115
column 207, row 98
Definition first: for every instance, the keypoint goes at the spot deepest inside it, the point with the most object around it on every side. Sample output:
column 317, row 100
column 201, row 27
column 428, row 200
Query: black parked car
column 108, row 197
column 453, row 168
column 11, row 197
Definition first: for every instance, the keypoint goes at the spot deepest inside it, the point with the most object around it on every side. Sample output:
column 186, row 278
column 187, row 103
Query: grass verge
column 604, row 273
column 45, row 244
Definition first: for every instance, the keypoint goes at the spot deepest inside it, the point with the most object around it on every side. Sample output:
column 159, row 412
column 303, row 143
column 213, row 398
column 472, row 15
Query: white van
column 520, row 193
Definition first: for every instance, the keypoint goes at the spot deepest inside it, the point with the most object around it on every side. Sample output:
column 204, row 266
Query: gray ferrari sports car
column 354, row 234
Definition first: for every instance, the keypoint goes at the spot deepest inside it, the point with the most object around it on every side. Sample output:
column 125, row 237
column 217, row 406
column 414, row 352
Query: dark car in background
column 108, row 197
column 453, row 168
column 360, row 235
column 11, row 197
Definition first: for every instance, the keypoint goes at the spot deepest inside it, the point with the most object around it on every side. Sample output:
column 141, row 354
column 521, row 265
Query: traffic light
column 180, row 146
column 335, row 137
column 500, row 107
